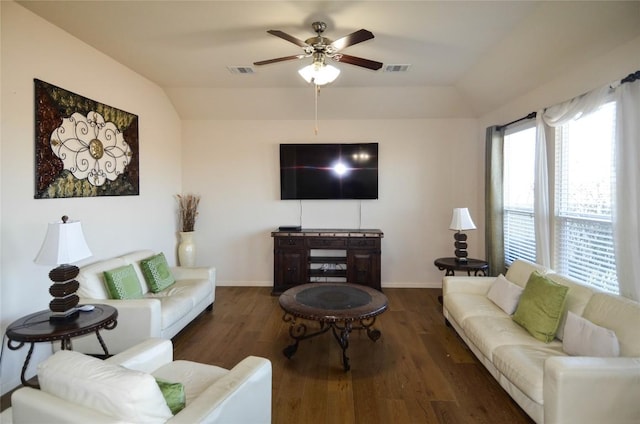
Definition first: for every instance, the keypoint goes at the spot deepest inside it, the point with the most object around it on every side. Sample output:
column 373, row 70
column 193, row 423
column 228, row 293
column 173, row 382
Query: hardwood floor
column 419, row 371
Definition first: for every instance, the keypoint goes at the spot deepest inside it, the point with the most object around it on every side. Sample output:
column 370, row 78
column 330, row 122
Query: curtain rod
column 529, row 116
column 631, row 77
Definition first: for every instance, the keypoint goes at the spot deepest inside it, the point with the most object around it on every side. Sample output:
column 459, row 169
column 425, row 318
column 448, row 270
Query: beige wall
column 426, row 168
column 33, row 48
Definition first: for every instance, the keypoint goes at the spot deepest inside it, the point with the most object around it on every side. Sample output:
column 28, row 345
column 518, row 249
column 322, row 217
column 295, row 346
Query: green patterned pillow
column 173, row 394
column 541, row 306
column 157, row 273
column 123, row 283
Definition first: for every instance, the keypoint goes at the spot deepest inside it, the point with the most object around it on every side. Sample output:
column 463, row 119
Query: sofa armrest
column 147, row 356
column 243, row 395
column 591, row 390
column 35, row 406
column 466, row 284
column 138, row 320
column 198, row 273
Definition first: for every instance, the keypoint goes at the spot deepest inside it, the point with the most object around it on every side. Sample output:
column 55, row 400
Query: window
column 583, row 199
column 519, row 162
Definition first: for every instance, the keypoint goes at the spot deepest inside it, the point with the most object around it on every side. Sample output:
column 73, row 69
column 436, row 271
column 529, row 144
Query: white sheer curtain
column 553, row 117
column 541, row 208
column 626, row 215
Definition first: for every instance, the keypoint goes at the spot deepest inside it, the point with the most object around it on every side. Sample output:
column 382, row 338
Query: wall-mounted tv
column 329, row 171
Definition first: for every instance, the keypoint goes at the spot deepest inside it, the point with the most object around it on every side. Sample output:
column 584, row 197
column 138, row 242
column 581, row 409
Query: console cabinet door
column 290, row 264
column 363, row 267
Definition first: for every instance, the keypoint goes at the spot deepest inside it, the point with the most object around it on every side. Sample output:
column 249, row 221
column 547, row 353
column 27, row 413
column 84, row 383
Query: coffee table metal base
column 339, row 307
column 341, row 330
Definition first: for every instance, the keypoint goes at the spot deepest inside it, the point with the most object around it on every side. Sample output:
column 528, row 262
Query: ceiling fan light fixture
column 319, row 73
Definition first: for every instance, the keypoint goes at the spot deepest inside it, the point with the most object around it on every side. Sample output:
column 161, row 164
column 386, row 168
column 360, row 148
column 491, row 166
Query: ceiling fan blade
column 358, row 61
column 351, row 39
column 289, row 38
column 279, row 59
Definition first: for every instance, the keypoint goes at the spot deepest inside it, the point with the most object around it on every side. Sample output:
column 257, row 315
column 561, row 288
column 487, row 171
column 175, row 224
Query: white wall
column 427, row 167
column 32, row 48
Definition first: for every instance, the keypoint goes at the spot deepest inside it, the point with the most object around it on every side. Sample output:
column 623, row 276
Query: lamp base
column 64, row 287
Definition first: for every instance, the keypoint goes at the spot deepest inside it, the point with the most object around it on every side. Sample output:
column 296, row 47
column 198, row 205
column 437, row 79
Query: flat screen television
column 329, row 171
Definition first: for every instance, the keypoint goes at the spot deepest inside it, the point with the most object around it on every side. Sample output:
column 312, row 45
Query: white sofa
column 551, row 386
column 161, row 314
column 79, row 391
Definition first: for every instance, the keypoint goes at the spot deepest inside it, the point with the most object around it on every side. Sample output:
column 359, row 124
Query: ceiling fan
column 320, row 48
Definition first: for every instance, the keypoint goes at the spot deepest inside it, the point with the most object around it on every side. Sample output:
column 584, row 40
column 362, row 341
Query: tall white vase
column 187, row 249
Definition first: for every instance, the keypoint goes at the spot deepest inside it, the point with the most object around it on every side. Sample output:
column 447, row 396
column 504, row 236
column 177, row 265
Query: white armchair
column 213, row 394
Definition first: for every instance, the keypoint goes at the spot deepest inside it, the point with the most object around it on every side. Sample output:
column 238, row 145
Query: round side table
column 450, row 265
column 36, row 328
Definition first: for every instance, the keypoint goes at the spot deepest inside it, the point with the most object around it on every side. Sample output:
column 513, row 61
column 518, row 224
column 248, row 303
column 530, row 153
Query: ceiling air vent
column 396, row 68
column 241, row 69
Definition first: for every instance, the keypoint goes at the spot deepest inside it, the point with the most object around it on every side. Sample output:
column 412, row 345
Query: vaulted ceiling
column 469, row 56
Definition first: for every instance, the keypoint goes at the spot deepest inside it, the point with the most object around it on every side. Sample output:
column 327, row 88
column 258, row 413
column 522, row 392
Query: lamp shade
column 461, row 220
column 319, row 73
column 64, row 243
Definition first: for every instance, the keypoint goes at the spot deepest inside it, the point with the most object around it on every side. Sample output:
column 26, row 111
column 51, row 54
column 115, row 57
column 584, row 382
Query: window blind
column 583, row 218
column 518, row 181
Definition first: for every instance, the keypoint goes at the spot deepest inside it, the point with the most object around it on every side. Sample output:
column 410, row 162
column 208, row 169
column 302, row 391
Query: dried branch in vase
column 188, row 204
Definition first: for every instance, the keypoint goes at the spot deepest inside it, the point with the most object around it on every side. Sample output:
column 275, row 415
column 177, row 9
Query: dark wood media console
column 317, row 255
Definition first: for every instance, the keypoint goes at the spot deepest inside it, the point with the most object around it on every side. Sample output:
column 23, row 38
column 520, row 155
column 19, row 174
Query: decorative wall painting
column 83, row 148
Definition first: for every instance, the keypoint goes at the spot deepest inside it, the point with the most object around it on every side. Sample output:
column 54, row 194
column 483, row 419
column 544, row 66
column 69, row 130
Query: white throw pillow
column 505, row 294
column 584, row 338
column 132, row 396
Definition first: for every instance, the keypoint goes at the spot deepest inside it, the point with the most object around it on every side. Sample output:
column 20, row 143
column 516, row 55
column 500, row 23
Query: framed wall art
column 83, row 148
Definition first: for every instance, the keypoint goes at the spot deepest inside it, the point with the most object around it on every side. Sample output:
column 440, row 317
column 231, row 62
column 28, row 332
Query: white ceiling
column 477, row 54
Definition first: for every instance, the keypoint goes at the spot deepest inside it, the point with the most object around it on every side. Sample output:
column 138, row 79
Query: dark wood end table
column 36, row 328
column 450, row 265
column 336, row 306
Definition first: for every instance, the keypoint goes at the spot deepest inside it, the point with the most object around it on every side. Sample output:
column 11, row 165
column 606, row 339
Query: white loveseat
column 551, row 386
column 80, row 389
column 161, row 314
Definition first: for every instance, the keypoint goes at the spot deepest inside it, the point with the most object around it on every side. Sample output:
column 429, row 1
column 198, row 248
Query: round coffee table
column 336, row 306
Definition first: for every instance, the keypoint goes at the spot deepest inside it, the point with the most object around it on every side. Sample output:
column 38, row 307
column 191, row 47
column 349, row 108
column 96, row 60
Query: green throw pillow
column 173, row 394
column 123, row 283
column 541, row 306
column 157, row 273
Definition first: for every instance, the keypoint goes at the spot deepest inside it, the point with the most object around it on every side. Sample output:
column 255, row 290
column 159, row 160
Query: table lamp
column 63, row 244
column 461, row 221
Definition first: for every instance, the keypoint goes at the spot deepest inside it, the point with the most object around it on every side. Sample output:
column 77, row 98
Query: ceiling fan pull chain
column 317, row 90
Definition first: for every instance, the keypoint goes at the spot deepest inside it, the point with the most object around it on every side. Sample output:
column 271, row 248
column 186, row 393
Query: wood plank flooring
column 419, row 371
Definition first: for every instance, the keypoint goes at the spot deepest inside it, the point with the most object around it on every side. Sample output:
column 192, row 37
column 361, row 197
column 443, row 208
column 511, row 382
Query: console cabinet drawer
column 364, row 242
column 289, row 242
column 326, row 243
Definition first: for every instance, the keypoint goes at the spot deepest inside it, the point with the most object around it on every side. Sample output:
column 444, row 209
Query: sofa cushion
column 541, row 307
column 488, row 333
column 584, row 338
column 173, row 394
column 577, row 298
column 620, row 315
column 157, row 273
column 505, row 294
column 91, row 278
column 464, row 305
column 123, row 283
column 520, row 271
column 523, row 366
column 131, row 396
